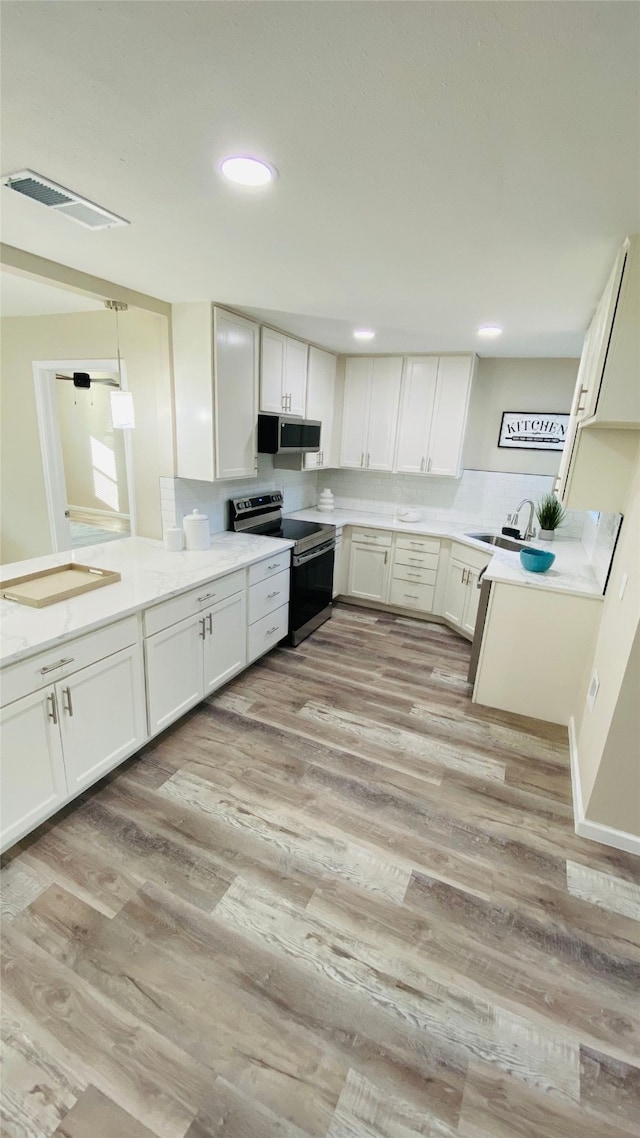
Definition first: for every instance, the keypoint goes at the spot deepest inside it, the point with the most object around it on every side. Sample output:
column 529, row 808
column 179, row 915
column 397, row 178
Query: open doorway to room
column 87, row 461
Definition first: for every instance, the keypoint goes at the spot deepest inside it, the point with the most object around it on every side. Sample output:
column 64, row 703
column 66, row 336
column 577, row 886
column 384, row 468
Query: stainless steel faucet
column 529, row 531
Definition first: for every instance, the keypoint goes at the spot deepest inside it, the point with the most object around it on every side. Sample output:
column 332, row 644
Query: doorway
column 87, row 462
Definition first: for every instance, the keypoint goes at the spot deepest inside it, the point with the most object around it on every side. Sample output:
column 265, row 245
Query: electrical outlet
column 593, row 690
column 623, row 585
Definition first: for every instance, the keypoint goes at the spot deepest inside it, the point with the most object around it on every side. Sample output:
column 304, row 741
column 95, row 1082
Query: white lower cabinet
column 368, row 571
column 63, row 736
column 462, row 594
column 33, row 782
column 195, row 656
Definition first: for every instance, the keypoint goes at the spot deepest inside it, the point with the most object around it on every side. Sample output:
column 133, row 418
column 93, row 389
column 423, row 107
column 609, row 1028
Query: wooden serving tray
column 57, row 584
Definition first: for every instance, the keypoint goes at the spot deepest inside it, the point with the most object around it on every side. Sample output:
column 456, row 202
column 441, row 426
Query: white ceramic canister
column 196, row 531
column 326, row 501
column 173, row 539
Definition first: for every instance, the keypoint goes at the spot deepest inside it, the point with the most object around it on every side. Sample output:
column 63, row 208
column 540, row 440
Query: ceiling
column 23, row 296
column 441, row 165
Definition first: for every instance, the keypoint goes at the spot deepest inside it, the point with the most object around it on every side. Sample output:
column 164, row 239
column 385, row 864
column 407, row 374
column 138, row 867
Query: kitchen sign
column 528, row 430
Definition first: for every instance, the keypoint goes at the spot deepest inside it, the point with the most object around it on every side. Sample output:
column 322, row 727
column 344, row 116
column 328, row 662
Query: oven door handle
column 318, row 551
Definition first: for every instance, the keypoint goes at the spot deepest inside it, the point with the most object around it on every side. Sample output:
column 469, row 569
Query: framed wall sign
column 533, row 430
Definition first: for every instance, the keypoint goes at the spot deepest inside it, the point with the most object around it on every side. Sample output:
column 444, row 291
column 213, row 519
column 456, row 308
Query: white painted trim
column 584, row 827
column 52, row 464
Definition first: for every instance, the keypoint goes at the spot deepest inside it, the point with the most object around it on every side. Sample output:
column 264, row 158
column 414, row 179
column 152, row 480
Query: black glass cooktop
column 294, row 531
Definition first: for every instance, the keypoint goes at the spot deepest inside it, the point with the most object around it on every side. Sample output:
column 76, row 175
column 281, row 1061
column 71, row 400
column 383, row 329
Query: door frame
column 44, row 372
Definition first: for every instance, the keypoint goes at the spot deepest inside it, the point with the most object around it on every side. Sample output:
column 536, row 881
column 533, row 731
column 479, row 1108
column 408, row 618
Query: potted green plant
column 550, row 515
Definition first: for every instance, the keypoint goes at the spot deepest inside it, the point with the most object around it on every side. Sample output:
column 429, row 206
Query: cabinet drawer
column 268, row 595
column 418, row 576
column 417, row 543
column 266, row 633
column 47, row 667
column 475, row 558
column 415, row 560
column 410, row 596
column 179, row 608
column 276, row 563
column 372, row 537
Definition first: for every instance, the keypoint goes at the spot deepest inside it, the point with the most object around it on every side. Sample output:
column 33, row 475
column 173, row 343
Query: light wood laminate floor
column 338, row 899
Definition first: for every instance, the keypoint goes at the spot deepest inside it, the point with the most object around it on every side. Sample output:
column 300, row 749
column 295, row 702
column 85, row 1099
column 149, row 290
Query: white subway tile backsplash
column 300, row 490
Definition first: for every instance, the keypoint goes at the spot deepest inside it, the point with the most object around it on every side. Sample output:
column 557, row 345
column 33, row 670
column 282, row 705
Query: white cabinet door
column 225, row 646
column 295, row 376
column 174, row 671
column 102, row 716
column 32, row 778
column 386, row 374
column 456, row 592
column 455, row 374
column 368, row 572
column 236, row 395
column 416, row 411
column 355, row 412
column 321, row 394
column 272, row 349
column 471, row 604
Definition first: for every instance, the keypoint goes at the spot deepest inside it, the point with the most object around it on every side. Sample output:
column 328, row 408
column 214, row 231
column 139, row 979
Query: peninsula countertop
column 571, row 571
column 149, row 574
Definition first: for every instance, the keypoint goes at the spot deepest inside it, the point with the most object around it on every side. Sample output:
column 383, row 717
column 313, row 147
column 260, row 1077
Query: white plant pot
column 546, row 534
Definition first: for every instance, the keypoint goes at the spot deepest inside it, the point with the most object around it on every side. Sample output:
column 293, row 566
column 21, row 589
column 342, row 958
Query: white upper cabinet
column 283, row 374
column 416, row 412
column 370, row 412
column 321, row 394
column 215, row 355
column 355, row 412
column 450, row 410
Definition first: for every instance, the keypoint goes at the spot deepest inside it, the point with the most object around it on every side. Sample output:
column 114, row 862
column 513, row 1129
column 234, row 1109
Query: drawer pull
column 414, row 561
column 206, row 597
column 417, row 544
column 410, row 596
column 270, row 631
column 274, row 566
column 58, row 664
column 53, row 714
column 270, row 596
column 68, row 706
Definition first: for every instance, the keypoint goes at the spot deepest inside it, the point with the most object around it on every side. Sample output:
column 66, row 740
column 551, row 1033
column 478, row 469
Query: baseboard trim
column 584, row 827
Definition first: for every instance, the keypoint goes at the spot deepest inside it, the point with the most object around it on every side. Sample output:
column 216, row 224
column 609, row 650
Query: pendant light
column 122, row 413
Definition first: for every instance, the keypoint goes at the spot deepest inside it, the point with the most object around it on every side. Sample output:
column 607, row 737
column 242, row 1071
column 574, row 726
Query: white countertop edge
column 145, row 566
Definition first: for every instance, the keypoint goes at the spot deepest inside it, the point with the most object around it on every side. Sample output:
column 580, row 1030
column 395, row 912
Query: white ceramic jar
column 326, row 500
column 196, row 531
column 173, row 539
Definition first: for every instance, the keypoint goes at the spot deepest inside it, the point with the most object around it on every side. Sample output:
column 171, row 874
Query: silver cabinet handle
column 53, row 714
column 202, row 629
column 386, row 555
column 58, row 664
column 68, row 706
column 410, row 574
column 411, row 596
column 414, row 561
column 210, row 622
column 422, row 466
column 206, row 597
column 368, row 457
column 270, row 596
column 274, row 566
column 428, row 465
column 362, row 459
column 270, row 631
column 417, row 544
column 464, row 576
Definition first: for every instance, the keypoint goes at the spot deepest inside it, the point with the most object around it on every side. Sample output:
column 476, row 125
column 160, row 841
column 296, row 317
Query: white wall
column 93, row 453
column 515, row 385
column 144, row 339
column 608, row 749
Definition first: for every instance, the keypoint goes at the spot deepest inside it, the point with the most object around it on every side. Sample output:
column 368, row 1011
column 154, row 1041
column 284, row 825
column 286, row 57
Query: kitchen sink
column 499, row 540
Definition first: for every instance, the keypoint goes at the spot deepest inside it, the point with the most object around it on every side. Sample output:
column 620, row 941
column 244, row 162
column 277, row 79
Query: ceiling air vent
column 40, row 189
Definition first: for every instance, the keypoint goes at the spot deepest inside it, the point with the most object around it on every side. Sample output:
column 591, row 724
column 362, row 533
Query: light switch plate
column 593, row 690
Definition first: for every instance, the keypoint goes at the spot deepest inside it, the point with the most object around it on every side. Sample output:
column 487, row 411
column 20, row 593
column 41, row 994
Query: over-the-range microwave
column 280, row 434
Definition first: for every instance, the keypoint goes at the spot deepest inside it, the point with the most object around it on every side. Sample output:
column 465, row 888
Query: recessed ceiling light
column 363, row 334
column 490, row 331
column 247, row 171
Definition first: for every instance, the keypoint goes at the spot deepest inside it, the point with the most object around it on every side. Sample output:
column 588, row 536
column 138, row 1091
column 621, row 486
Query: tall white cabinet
column 215, row 354
column 370, row 412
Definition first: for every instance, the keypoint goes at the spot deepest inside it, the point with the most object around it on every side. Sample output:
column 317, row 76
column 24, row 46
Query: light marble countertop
column 571, row 571
column 149, row 574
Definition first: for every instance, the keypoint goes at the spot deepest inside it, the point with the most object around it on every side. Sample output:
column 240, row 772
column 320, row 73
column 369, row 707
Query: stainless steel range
column 312, row 557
